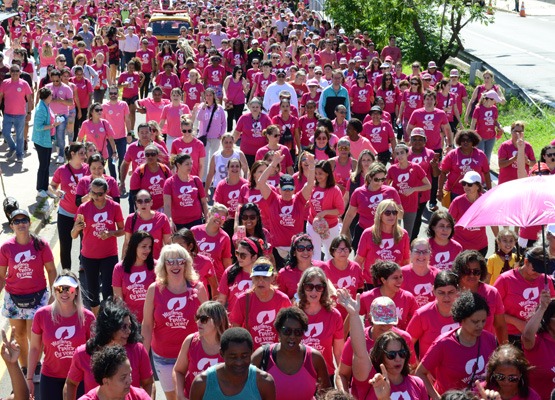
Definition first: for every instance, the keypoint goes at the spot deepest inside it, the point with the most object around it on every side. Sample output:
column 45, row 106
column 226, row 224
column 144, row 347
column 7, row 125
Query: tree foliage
column 426, row 29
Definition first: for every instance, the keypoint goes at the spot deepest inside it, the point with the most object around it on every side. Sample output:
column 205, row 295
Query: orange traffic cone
column 522, row 10
column 490, row 8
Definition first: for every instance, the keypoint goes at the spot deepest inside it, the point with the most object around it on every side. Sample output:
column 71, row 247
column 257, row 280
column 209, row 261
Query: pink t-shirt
column 326, row 199
column 172, row 115
column 447, row 104
column 307, row 128
column 60, row 339
column 228, row 195
column 456, row 165
column 361, row 98
column 194, row 148
column 204, row 268
column 459, row 89
column 486, row 118
column 390, row 98
column 349, row 278
column 404, row 302
column 174, row 319
column 288, row 278
column 508, row 150
column 454, row 365
column 135, row 154
column 96, row 222
column 133, row 286
column 520, row 297
column 216, row 248
column 84, row 186
column 153, row 182
column 115, row 115
column 135, row 393
column 542, row 357
column 367, row 201
column 98, row 133
column 407, row 178
column 423, row 159
column 287, row 161
column 62, row 92
column 323, row 328
column 442, row 257
column 167, row 83
column 146, row 57
column 427, row 324
column 387, row 250
column 157, row 226
column 240, row 285
column 413, row 100
column 289, row 216
column 68, row 178
column 412, row 387
column 186, row 197
column 379, row 135
column 421, row 287
column 193, row 93
column 199, row 361
column 131, row 84
column 154, row 109
column 84, row 90
column 214, row 76
column 25, row 273
column 469, row 238
column 262, row 83
column 260, row 319
column 17, row 92
column 80, row 370
column 251, row 132
column 431, row 122
column 495, row 302
column 361, row 144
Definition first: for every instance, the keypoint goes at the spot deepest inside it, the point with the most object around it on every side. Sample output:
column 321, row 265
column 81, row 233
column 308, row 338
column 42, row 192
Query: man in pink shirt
column 62, row 99
column 392, row 50
column 15, row 110
column 116, row 112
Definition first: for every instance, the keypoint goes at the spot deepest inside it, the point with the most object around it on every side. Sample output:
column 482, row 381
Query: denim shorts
column 164, row 369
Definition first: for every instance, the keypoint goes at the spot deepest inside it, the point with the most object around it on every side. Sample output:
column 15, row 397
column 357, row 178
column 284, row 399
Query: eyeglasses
column 62, row 289
column 361, row 77
column 472, row 272
column 309, row 287
column 379, row 179
column 98, row 194
column 343, row 148
column 465, row 140
column 241, row 255
column 390, row 212
column 466, row 184
column 318, row 73
column 220, row 217
column 302, row 248
column 143, row 201
column 342, row 112
column 550, row 155
column 421, row 252
column 277, row 135
column 98, row 109
column 203, row 319
column 62, row 60
column 246, row 217
column 186, row 130
column 113, row 93
column 21, row 221
column 510, row 378
column 391, row 355
column 343, row 250
column 311, row 67
column 14, row 72
column 175, row 261
column 290, row 331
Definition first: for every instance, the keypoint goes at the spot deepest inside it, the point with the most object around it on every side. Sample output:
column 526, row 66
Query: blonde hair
column 217, row 208
column 77, row 301
column 47, row 50
column 377, row 228
column 195, row 73
column 175, row 251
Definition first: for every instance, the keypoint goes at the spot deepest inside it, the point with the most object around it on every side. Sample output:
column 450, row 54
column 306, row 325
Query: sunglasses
column 379, row 179
column 290, row 331
column 186, row 130
column 175, row 261
column 550, row 155
column 473, row 272
column 414, row 83
column 67, row 289
column 421, row 252
column 302, row 248
column 309, row 287
column 113, row 93
column 203, row 319
column 220, row 217
column 343, row 148
column 391, row 355
column 502, row 377
column 246, row 217
column 151, row 154
column 21, row 221
column 98, row 109
column 143, row 201
column 277, row 135
column 98, row 194
column 466, row 184
column 390, row 212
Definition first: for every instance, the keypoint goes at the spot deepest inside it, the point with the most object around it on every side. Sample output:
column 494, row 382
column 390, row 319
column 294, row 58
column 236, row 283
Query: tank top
column 220, row 166
column 301, row 385
column 235, row 92
column 199, row 361
column 213, row 391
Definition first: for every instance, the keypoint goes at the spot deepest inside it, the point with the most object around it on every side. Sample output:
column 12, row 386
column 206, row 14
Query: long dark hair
column 188, row 238
column 236, row 268
column 131, row 254
column 259, row 228
column 292, row 257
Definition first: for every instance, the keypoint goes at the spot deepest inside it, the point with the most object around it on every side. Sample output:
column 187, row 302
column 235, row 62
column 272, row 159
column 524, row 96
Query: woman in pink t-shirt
column 98, row 130
column 250, row 129
column 385, row 240
column 325, row 323
column 458, row 358
column 484, row 121
column 411, row 99
column 170, row 308
column 58, row 328
column 441, row 228
column 470, row 267
column 172, row 114
column 96, row 170
column 201, row 349
column 362, row 96
column 134, row 274
column 418, row 276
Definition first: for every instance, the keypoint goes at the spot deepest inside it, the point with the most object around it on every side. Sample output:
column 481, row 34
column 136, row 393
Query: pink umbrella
column 522, row 202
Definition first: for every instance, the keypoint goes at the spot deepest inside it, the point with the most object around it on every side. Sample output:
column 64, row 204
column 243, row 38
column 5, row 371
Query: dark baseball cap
column 286, row 182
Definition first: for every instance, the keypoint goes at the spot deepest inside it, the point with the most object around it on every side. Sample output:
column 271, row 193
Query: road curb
column 42, row 214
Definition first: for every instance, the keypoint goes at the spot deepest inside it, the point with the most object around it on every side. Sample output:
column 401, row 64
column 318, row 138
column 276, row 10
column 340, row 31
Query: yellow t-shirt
column 495, row 265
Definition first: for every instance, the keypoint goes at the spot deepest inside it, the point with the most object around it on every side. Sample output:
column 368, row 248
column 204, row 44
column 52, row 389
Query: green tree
column 426, row 29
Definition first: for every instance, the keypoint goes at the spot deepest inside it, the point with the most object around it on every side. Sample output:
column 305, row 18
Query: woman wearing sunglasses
column 410, row 100
column 361, row 95
column 99, row 131
column 58, row 328
column 273, row 135
column 201, row 349
column 250, row 217
column 508, row 374
column 134, row 274
column 212, row 239
column 249, row 192
column 470, row 267
column 115, row 325
column 325, row 332
column 172, row 113
column 457, row 358
column 189, row 144
column 365, row 199
column 256, row 309
column 237, row 278
column 384, row 240
column 170, row 307
column 96, row 164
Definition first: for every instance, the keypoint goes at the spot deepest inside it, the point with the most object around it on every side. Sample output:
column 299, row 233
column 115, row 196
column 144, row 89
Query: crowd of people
column 273, row 247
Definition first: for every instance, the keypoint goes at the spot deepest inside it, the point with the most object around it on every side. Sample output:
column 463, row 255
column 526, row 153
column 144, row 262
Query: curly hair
column 294, row 313
column 308, row 275
column 460, row 265
column 110, row 317
column 377, row 355
column 467, row 304
column 106, row 361
column 508, row 354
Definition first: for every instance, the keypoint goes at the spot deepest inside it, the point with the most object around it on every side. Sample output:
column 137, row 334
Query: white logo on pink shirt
column 69, row 332
column 186, row 189
column 137, row 290
column 137, row 277
column 24, row 256
column 386, row 244
column 318, row 195
column 101, row 217
column 423, row 289
column 185, row 196
column 286, row 218
column 362, row 95
column 412, row 100
column 24, row 271
column 207, row 247
column 177, row 303
column 449, row 327
column 429, row 122
column 205, row 362
column 187, row 150
column 531, row 293
column 145, row 227
column 262, row 315
column 488, row 117
column 442, row 260
column 375, row 200
column 155, row 180
column 417, row 160
column 244, row 285
column 346, row 282
column 400, row 396
column 318, row 328
column 530, row 302
column 264, row 328
column 475, row 365
column 255, row 198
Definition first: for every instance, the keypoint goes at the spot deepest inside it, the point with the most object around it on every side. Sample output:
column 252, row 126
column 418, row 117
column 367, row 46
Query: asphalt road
column 519, row 48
